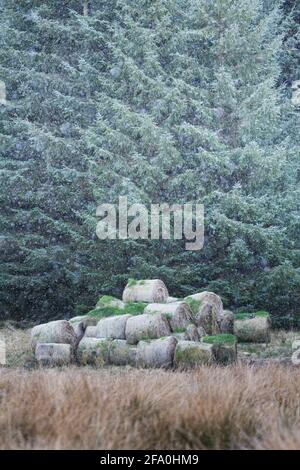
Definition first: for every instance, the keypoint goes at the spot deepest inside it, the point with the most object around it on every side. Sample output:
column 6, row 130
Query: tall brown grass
column 211, row 408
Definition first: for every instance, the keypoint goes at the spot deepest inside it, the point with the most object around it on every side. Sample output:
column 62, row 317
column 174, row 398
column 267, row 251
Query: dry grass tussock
column 18, row 347
column 124, row 408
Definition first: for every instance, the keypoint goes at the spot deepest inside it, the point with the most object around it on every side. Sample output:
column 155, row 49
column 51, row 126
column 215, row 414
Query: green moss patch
column 193, row 304
column 248, row 315
column 219, row 339
column 179, row 330
column 192, row 356
column 134, row 282
column 106, row 300
column 132, row 308
column 262, row 313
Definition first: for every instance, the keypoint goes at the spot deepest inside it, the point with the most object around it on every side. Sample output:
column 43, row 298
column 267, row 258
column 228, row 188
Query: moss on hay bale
column 146, row 290
column 253, row 327
column 178, row 314
column 223, row 338
column 131, row 308
column 191, row 354
column 224, row 348
column 109, row 301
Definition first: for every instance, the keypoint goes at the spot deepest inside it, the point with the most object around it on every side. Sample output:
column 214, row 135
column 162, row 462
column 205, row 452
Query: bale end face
column 146, row 326
column 112, row 327
column 93, row 351
column 253, row 329
column 122, row 354
column 59, row 331
column 190, row 354
column 224, row 348
column 53, row 354
column 157, row 353
column 178, row 314
column 148, row 290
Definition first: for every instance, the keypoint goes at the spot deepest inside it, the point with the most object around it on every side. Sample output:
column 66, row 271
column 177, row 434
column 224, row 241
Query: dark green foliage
column 46, row 49
column 193, row 304
column 163, row 101
column 290, row 52
column 222, row 339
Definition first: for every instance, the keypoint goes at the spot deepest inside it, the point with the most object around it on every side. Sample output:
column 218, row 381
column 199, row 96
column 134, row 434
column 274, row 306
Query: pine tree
column 290, row 52
column 51, row 60
column 193, row 114
column 162, row 101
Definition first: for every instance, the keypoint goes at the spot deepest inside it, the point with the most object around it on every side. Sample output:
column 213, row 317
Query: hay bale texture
column 53, row 354
column 59, row 331
column 91, row 332
column 226, row 322
column 224, row 348
column 148, row 290
column 146, row 326
column 121, row 353
column 191, row 354
column 112, row 327
column 206, row 297
column 178, row 314
column 109, row 301
column 157, row 353
column 93, row 351
column 256, row 329
column 80, row 324
column 206, row 318
column 192, row 333
column 207, row 308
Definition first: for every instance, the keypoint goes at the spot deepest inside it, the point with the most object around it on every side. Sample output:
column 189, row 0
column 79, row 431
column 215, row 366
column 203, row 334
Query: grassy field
column 238, row 407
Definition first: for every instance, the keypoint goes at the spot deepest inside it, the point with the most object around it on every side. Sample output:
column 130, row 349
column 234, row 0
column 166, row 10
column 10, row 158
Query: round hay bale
column 207, row 308
column 226, row 322
column 53, row 354
column 253, row 330
column 191, row 354
column 112, row 327
column 91, row 332
column 93, row 351
column 196, row 300
column 178, row 314
column 158, row 353
column 191, row 333
column 148, row 290
column 207, row 319
column 59, row 331
column 122, row 354
column 224, row 348
column 146, row 326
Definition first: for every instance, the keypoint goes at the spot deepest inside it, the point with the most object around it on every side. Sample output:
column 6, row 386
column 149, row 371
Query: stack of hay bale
column 146, row 329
